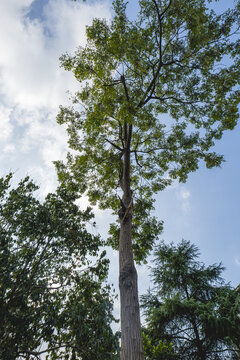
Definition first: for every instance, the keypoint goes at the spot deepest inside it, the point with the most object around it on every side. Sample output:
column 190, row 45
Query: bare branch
column 160, row 29
column 136, row 158
column 175, row 99
column 132, row 70
column 152, row 84
column 125, row 87
column 114, row 145
column 148, row 151
column 164, row 11
column 115, row 82
column 38, row 353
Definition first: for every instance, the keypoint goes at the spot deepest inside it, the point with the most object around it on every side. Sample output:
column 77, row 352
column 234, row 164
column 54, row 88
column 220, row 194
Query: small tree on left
column 53, row 300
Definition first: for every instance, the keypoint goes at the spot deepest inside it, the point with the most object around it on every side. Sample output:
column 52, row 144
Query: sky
column 33, row 35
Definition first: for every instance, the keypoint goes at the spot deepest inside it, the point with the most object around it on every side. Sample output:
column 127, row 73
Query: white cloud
column 183, row 196
column 43, row 134
column 5, row 124
column 9, row 148
column 237, row 261
column 46, row 179
column 32, row 85
column 29, row 61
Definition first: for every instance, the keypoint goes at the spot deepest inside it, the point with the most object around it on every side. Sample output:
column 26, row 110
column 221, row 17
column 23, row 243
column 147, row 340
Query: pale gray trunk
column 131, row 335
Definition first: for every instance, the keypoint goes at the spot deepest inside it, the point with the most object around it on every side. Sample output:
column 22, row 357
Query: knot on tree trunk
column 124, row 212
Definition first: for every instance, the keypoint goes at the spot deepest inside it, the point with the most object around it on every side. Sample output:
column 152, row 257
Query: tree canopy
column 169, row 82
column 191, row 307
column 53, row 299
column 155, row 94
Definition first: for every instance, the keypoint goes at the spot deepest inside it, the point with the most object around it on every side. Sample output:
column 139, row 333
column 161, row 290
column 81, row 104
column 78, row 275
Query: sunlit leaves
column 173, row 74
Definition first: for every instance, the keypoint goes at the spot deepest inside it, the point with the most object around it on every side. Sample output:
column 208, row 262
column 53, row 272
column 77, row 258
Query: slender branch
column 184, row 338
column 223, row 350
column 193, row 53
column 37, row 353
column 132, row 70
column 136, row 158
column 175, row 99
column 152, row 84
column 166, row 9
column 125, row 87
column 114, row 145
column 129, row 137
column 115, row 82
column 181, row 331
column 118, row 154
column 120, row 134
column 160, row 29
column 148, row 151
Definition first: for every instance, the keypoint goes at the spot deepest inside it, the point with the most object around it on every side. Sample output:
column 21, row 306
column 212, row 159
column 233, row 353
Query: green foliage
column 52, row 297
column 160, row 351
column 191, row 306
column 172, row 75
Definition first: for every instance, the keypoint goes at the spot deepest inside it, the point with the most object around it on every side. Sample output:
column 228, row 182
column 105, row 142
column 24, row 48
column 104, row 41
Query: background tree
column 157, row 349
column 155, row 95
column 191, row 307
column 52, row 298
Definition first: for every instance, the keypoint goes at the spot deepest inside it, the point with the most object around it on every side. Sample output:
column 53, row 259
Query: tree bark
column 131, row 335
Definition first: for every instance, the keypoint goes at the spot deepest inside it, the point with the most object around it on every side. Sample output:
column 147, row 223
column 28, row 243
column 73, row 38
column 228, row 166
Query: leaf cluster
column 160, row 351
column 52, row 297
column 190, row 306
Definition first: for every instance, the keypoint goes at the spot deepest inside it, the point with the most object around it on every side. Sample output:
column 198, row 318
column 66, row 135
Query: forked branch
column 151, row 87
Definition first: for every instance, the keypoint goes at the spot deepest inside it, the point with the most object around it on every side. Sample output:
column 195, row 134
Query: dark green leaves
column 50, row 291
column 190, row 306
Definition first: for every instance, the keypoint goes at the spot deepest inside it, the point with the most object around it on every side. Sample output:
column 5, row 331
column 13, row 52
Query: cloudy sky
column 33, row 34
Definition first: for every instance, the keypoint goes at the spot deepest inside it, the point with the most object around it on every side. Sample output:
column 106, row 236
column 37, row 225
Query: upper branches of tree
column 164, row 87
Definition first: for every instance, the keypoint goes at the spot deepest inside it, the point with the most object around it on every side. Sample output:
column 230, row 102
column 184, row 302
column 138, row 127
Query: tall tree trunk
column 131, row 335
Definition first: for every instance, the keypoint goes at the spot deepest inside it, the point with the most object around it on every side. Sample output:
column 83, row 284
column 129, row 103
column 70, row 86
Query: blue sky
column 33, row 34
